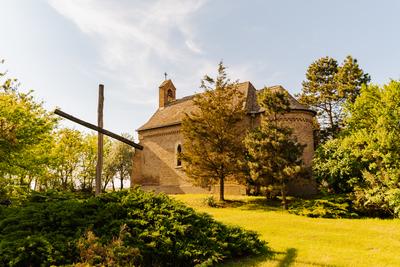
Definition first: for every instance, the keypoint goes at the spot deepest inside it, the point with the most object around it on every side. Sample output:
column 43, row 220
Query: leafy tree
column 109, row 170
column 365, row 159
column 117, row 162
column 25, row 134
column 212, row 136
column 88, row 162
column 67, row 154
column 123, row 155
column 328, row 86
column 274, row 156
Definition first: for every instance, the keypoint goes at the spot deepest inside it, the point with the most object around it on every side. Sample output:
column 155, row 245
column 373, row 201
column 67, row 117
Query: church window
column 178, row 155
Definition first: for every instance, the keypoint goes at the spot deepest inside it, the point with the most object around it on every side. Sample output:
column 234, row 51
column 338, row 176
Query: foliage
column 212, row 136
column 210, row 201
column 273, row 152
column 67, row 152
column 365, row 159
column 161, row 230
column 93, row 253
column 379, row 196
column 336, row 166
column 119, row 162
column 35, row 154
column 25, row 134
column 335, row 206
column 328, row 86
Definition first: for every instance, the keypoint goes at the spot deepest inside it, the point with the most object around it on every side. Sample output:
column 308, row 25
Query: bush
column 49, row 228
column 379, row 196
column 324, row 207
column 211, row 202
column 116, row 253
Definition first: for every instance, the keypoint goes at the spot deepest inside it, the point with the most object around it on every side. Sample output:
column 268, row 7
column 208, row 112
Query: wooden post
column 99, row 166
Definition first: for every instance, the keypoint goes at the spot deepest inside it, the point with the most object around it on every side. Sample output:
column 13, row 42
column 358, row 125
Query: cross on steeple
column 165, row 76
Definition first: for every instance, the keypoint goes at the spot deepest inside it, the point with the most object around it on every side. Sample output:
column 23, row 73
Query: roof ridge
column 174, row 111
column 189, row 97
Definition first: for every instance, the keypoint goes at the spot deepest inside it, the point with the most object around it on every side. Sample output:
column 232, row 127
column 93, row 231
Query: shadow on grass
column 289, row 258
column 248, row 261
column 273, row 258
column 253, row 204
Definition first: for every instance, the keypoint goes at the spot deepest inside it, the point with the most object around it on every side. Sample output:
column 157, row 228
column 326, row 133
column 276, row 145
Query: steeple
column 167, row 93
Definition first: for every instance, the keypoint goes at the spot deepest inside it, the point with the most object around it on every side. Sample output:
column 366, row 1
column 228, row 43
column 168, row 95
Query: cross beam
column 98, row 129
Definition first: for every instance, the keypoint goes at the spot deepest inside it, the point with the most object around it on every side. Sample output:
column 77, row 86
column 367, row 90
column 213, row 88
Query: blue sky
column 63, row 49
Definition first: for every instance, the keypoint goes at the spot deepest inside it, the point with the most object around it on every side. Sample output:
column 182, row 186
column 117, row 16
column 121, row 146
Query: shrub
column 379, row 196
column 324, row 207
column 162, row 231
column 210, row 201
column 116, row 253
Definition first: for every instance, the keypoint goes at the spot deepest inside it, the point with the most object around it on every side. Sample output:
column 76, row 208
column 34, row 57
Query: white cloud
column 138, row 40
column 193, row 46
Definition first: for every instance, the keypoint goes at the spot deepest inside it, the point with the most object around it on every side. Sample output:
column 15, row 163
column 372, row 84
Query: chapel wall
column 302, row 124
column 158, row 158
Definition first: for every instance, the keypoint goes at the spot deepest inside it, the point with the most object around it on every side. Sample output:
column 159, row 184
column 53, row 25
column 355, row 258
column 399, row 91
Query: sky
column 62, row 49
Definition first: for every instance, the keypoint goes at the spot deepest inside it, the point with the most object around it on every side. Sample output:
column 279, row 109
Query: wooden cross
column 100, row 131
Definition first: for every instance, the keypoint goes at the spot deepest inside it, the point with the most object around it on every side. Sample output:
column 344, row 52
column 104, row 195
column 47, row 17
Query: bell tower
column 167, row 93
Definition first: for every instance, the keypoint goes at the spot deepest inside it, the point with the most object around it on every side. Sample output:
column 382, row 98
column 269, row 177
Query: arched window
column 178, row 155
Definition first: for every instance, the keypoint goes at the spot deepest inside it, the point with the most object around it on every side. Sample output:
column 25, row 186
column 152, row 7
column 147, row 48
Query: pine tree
column 212, row 135
column 274, row 156
column 328, row 86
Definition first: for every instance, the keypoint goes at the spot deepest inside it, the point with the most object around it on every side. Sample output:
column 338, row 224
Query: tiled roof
column 294, row 104
column 174, row 112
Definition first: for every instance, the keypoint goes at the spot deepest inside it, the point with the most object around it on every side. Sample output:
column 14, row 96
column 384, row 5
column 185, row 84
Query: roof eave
column 293, row 109
column 158, row 126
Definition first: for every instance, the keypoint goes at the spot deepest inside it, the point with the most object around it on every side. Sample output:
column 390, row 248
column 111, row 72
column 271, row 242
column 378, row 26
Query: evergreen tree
column 328, row 86
column 212, row 136
column 274, row 156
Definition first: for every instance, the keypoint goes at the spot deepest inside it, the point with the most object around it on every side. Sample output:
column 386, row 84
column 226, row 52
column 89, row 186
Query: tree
column 365, row 158
column 88, row 159
column 67, row 154
column 274, row 155
column 328, row 86
column 25, row 134
column 212, row 135
column 123, row 154
column 118, row 161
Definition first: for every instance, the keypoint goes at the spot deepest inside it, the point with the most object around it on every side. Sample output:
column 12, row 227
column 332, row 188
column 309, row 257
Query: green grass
column 302, row 241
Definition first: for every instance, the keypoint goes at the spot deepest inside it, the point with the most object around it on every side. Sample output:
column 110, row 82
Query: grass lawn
column 302, row 241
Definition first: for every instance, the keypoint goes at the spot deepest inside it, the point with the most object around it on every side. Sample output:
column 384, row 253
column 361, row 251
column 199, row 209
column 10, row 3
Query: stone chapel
column 157, row 166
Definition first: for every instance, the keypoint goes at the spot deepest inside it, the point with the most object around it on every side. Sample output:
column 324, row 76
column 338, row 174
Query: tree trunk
column 257, row 190
column 113, row 185
column 122, row 180
column 106, row 181
column 330, row 114
column 221, row 189
column 36, row 184
column 284, row 202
